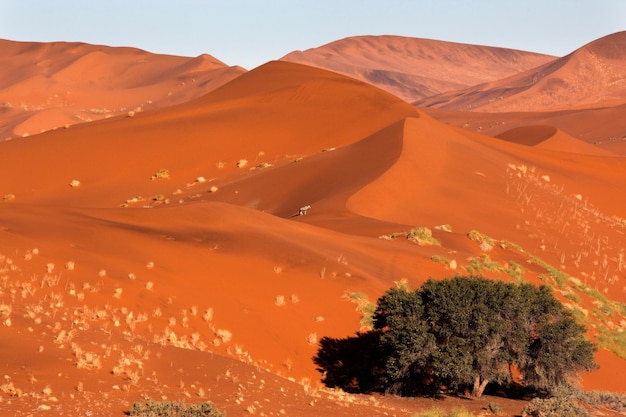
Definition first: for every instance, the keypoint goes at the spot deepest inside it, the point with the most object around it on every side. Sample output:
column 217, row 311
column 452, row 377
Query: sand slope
column 49, row 85
column 548, row 137
column 167, row 259
column 602, row 127
column 413, row 68
column 591, row 76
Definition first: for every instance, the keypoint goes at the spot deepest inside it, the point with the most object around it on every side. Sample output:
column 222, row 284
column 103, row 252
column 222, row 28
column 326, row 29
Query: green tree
column 465, row 332
column 407, row 341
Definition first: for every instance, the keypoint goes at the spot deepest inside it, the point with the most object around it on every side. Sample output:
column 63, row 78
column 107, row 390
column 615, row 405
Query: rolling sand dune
column 74, row 83
column 591, row 76
column 602, row 127
column 550, row 138
column 413, row 68
column 167, row 258
column 201, row 138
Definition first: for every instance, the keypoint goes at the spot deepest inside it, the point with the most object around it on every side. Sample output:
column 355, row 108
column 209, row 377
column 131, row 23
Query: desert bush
column 493, row 408
column 554, row 407
column 151, row 408
column 422, row 236
column 611, row 400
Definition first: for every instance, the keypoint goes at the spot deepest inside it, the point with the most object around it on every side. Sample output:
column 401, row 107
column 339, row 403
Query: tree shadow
column 356, row 364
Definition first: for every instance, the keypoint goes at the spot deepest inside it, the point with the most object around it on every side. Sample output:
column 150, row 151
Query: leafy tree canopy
column 465, row 332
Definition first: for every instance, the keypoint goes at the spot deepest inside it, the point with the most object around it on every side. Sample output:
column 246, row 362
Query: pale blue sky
column 250, row 33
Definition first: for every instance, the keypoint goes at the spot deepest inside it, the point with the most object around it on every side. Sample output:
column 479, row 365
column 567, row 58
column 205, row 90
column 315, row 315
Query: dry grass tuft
column 224, row 335
column 279, row 300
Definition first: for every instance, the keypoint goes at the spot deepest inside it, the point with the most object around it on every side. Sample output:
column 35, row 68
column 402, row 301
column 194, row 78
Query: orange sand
column 203, row 283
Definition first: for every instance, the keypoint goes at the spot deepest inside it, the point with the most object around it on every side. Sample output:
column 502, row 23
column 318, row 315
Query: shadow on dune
column 356, row 364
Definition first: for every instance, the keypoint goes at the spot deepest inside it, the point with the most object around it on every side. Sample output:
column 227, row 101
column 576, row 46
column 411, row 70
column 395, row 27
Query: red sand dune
column 592, row 76
column 550, row 138
column 202, row 283
column 49, row 85
column 602, row 127
column 413, row 68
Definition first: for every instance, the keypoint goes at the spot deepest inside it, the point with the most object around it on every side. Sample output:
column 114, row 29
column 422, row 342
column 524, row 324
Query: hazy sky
column 252, row 32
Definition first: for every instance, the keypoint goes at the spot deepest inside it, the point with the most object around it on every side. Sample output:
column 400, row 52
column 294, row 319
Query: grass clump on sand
column 438, row 412
column 364, row 306
column 485, row 242
column 161, row 174
column 615, row 341
column 440, row 259
column 422, row 236
column 151, row 408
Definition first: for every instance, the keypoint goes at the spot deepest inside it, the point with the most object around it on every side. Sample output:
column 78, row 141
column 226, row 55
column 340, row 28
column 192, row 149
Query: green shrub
column 151, row 408
column 554, row 407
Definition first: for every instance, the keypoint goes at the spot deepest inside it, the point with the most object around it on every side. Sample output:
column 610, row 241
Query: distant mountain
column 49, row 85
column 591, row 76
column 414, row 68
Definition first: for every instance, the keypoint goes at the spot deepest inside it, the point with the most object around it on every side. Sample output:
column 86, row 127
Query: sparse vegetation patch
column 554, row 407
column 438, row 412
column 161, row 174
column 151, row 408
column 364, row 306
column 422, row 236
